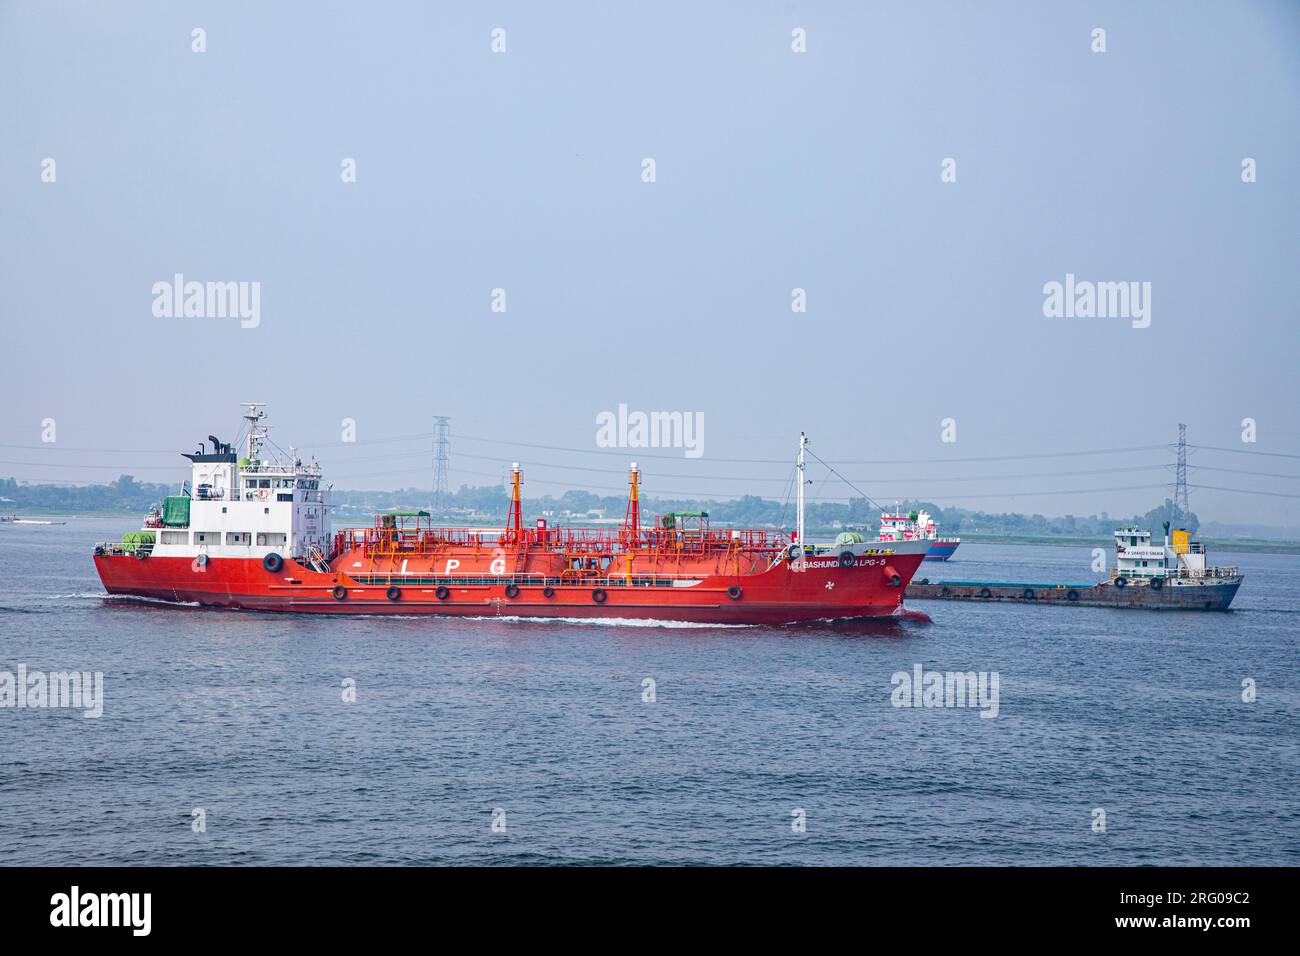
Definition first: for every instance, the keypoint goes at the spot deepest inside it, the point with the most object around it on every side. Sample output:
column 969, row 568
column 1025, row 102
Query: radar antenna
column 256, row 430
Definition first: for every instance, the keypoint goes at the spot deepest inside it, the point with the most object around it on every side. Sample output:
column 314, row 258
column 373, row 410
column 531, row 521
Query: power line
column 751, row 478
column 1247, row 491
column 737, row 478
column 623, row 453
column 427, row 436
column 1244, row 451
column 1238, row 471
column 117, row 451
column 862, row 461
column 680, row 495
column 46, row 464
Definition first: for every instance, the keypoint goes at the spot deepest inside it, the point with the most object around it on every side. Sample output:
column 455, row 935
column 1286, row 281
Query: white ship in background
column 917, row 526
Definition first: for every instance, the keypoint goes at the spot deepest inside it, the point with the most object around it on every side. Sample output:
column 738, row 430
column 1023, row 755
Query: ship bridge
column 248, row 506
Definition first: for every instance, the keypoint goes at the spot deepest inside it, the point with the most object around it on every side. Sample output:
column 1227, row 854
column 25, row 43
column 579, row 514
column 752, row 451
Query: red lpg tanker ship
column 253, row 532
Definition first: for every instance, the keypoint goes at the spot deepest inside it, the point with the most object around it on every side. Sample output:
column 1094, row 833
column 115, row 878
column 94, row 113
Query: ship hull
column 1213, row 596
column 817, row 588
column 942, row 550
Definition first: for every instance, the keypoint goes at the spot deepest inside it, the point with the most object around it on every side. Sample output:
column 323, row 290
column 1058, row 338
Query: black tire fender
column 599, row 595
column 1072, row 595
column 273, row 562
column 734, row 592
column 985, row 593
column 848, row 559
column 1121, row 582
column 441, row 592
column 394, row 593
column 1028, row 594
column 1157, row 584
column 512, row 590
column 548, row 592
column 339, row 592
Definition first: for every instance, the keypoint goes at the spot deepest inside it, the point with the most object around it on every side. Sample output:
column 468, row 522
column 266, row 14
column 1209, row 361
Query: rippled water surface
column 1137, row 713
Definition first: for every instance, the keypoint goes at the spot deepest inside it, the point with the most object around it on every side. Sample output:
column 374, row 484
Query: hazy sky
column 774, row 170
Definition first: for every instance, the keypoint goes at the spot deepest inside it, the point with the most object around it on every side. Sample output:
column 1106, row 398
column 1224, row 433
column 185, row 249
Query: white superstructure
column 245, row 507
column 1180, row 562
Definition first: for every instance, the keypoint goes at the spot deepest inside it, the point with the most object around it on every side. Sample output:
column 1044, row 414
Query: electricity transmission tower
column 441, row 459
column 1181, row 507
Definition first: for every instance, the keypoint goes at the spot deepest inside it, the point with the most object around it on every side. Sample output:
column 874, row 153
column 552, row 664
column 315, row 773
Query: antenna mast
column 803, row 443
column 256, row 430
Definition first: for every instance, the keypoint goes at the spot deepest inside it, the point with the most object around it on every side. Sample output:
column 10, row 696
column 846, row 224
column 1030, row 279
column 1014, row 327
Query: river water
column 226, row 737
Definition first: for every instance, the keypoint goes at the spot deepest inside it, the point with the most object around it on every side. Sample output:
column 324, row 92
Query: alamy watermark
column 208, row 300
column 1083, row 299
column 922, row 688
column 75, row 908
column 624, row 429
column 38, row 690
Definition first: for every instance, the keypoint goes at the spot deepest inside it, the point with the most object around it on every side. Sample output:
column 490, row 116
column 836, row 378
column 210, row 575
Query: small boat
column 1174, row 576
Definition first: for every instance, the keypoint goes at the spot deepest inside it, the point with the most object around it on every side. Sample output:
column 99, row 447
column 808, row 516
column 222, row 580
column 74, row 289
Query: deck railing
column 397, row 541
column 1181, row 573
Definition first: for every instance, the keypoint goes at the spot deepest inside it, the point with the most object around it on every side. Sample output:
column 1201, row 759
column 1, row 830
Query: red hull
column 815, row 589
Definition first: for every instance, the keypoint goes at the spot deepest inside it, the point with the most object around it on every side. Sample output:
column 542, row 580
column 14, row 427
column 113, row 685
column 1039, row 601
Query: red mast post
column 515, row 519
column 632, row 519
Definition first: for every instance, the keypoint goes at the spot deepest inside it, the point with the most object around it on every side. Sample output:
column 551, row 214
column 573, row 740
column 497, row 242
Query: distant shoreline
column 1249, row 545
column 1246, row 545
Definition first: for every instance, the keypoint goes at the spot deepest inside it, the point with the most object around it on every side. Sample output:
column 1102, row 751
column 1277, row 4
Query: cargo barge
column 1174, row 577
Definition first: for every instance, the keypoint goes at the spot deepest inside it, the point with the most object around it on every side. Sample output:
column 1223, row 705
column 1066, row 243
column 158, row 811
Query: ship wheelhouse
column 1180, row 560
column 1136, row 556
column 242, row 507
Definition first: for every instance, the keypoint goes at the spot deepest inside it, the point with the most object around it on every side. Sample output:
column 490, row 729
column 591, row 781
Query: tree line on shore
column 489, row 502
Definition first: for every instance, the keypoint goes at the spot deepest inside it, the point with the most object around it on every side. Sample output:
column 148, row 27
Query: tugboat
column 917, row 526
column 252, row 531
column 1172, row 576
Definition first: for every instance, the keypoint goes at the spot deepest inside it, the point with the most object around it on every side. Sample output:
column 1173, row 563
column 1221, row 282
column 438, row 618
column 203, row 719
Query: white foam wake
column 597, row 621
